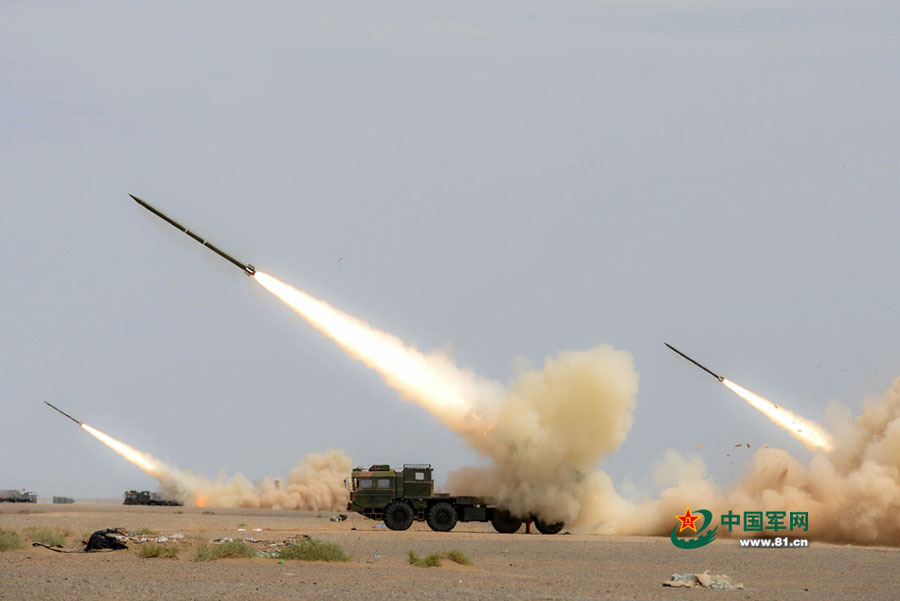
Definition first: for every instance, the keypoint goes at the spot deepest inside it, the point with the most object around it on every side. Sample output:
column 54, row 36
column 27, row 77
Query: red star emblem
column 687, row 520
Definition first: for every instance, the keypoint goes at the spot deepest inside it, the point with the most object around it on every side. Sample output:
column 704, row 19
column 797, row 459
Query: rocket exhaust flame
column 145, row 461
column 152, row 466
column 549, row 429
column 315, row 484
column 545, row 433
column 808, row 432
column 432, row 379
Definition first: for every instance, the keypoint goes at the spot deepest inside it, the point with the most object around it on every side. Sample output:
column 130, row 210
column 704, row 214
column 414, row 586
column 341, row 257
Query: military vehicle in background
column 145, row 497
column 63, row 500
column 14, row 496
column 400, row 497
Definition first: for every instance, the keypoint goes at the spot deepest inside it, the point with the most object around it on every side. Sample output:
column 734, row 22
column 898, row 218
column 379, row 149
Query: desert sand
column 518, row 566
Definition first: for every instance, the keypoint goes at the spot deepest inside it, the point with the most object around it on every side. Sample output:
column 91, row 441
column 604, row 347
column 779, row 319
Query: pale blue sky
column 510, row 179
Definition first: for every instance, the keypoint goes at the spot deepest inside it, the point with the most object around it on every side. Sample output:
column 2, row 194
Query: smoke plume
column 851, row 494
column 316, row 483
column 557, row 423
column 547, row 432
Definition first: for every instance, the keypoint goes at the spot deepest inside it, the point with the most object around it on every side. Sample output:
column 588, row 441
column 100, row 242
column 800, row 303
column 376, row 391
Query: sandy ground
column 517, row 566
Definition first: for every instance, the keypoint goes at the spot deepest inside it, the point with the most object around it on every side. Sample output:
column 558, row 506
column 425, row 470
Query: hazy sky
column 505, row 179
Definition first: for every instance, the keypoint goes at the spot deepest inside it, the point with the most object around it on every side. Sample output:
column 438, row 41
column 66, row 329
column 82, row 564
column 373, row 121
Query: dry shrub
column 311, row 549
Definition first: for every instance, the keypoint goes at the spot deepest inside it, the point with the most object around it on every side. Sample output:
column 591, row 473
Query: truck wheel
column 548, row 528
column 504, row 523
column 398, row 516
column 442, row 517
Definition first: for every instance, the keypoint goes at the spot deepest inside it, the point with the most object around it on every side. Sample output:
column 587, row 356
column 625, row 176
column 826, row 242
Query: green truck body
column 145, row 497
column 14, row 496
column 400, row 497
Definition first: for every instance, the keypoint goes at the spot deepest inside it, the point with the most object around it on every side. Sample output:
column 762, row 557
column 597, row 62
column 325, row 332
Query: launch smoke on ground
column 544, row 433
column 547, row 432
column 852, row 494
column 317, row 483
column 549, row 429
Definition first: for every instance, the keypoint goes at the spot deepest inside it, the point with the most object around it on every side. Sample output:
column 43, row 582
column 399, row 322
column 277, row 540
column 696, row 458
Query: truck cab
column 371, row 490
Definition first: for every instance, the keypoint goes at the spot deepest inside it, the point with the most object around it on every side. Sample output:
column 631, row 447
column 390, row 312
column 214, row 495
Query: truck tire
column 548, row 528
column 441, row 517
column 504, row 523
column 398, row 515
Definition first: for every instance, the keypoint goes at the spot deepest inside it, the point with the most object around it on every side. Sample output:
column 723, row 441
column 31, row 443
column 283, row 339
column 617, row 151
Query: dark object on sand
column 101, row 540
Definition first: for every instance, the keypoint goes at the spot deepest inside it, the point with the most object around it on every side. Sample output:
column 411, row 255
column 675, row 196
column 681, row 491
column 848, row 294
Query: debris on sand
column 704, row 580
column 143, row 538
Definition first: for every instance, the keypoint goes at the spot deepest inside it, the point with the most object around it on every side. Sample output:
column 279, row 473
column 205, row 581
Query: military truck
column 63, row 500
column 14, row 496
column 145, row 497
column 400, row 497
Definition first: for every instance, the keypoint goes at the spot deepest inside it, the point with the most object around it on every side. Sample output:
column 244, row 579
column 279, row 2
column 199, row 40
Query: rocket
column 63, row 412
column 710, row 372
column 247, row 268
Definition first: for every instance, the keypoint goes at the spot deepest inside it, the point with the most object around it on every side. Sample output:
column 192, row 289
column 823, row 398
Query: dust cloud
column 545, row 432
column 549, row 430
column 549, row 433
column 316, row 483
column 852, row 494
column 556, row 425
